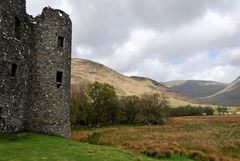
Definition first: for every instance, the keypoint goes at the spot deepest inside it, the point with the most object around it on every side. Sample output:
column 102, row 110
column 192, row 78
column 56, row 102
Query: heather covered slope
column 195, row 88
column 86, row 71
column 229, row 96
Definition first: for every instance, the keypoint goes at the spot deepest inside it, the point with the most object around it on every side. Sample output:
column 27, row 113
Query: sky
column 160, row 39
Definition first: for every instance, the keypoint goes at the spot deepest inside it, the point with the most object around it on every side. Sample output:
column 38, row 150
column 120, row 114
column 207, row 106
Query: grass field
column 36, row 147
column 202, row 138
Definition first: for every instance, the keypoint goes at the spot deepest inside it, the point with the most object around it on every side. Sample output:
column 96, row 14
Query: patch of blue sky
column 178, row 62
column 213, row 54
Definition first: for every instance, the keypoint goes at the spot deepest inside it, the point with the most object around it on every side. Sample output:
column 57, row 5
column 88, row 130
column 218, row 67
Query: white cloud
column 131, row 52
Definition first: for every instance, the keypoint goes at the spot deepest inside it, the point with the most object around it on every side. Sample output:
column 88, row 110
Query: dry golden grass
column 201, row 138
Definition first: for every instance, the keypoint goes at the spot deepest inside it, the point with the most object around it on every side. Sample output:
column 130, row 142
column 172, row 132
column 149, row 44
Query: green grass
column 37, row 147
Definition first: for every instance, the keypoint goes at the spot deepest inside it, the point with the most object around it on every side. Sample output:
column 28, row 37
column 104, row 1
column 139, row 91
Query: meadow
column 38, row 147
column 212, row 138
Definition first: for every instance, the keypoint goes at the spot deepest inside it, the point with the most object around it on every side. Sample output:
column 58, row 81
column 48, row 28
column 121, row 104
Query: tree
column 153, row 108
column 208, row 110
column 104, row 101
column 81, row 110
column 75, row 108
column 190, row 111
column 130, row 108
column 222, row 110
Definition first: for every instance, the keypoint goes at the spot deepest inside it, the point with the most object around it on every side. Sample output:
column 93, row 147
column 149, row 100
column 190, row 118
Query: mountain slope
column 195, row 88
column 228, row 96
column 86, row 71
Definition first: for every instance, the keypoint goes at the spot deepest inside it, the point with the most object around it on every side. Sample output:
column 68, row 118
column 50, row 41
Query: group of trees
column 222, row 110
column 99, row 105
column 150, row 109
column 190, row 111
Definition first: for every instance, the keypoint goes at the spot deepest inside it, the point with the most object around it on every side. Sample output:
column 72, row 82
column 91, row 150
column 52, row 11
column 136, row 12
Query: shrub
column 197, row 155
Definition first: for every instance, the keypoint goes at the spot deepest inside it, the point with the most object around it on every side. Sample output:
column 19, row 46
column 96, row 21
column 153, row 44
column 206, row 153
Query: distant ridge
column 151, row 80
column 230, row 95
column 195, row 88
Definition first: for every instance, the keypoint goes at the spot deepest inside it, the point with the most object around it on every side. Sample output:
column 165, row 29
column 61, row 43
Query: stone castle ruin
column 35, row 70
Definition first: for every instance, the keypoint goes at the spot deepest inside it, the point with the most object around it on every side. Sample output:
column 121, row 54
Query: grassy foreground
column 214, row 138
column 37, row 147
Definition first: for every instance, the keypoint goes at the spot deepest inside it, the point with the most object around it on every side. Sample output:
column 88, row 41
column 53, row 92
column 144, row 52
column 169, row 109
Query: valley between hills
column 178, row 92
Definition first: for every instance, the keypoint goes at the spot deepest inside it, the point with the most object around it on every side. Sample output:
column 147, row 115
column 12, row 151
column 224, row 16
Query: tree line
column 99, row 104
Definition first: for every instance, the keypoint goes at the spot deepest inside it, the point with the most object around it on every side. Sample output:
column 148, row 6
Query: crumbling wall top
column 50, row 12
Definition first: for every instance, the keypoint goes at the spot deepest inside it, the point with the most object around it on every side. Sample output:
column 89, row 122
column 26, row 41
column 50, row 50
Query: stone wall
column 35, row 64
column 49, row 110
column 13, row 64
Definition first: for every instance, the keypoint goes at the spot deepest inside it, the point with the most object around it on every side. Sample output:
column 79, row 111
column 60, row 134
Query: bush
column 197, row 155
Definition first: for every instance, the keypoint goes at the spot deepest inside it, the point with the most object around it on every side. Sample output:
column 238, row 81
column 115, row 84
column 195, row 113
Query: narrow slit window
column 14, row 70
column 1, row 113
column 18, row 28
column 59, row 78
column 60, row 41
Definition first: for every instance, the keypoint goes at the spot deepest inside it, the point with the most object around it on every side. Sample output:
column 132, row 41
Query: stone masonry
column 35, row 70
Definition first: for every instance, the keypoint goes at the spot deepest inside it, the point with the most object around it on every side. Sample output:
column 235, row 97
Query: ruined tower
column 35, row 70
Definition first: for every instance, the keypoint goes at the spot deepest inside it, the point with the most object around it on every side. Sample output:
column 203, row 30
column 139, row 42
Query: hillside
column 228, row 96
column 195, row 88
column 86, row 71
